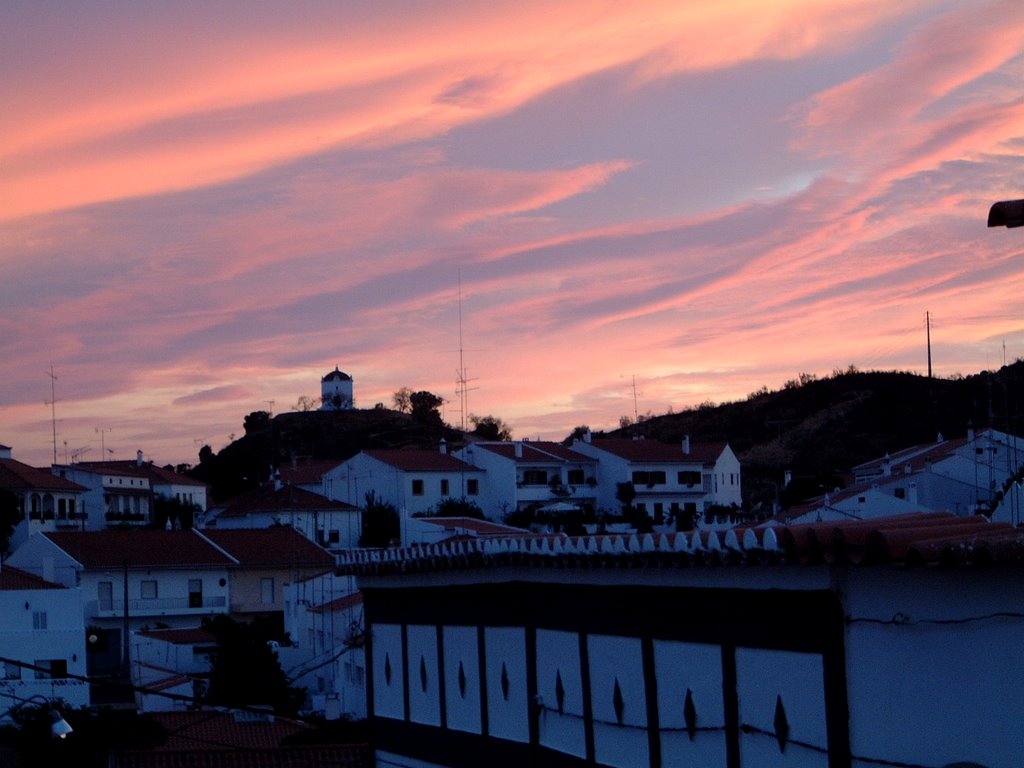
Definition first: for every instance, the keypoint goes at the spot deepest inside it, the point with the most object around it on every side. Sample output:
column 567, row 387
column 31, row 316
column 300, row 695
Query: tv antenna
column 103, row 443
column 52, row 402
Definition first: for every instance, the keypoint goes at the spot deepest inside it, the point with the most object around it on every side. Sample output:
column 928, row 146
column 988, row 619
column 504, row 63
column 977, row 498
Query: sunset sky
column 205, row 207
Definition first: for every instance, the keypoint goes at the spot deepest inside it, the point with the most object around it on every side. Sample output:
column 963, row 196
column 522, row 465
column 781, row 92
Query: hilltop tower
column 336, row 391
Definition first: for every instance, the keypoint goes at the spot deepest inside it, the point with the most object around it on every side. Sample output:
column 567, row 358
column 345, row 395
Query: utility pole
column 928, row 328
column 53, row 409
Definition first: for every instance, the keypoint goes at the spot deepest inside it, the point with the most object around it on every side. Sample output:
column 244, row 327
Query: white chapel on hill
column 336, row 391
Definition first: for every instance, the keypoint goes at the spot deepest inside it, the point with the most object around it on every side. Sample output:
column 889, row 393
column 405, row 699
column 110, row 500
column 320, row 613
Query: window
column 51, row 668
column 689, row 478
column 38, row 619
column 900, row 493
column 334, row 537
column 575, row 477
column 472, row 487
column 535, row 477
column 267, row 590
column 195, row 593
column 417, row 487
column 106, row 595
column 148, row 589
column 444, row 487
column 648, row 478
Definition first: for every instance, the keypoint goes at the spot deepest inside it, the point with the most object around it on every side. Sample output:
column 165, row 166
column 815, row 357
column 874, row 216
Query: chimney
column 787, row 478
column 519, row 449
column 444, row 447
column 588, row 436
column 970, row 433
column 686, row 444
column 138, row 458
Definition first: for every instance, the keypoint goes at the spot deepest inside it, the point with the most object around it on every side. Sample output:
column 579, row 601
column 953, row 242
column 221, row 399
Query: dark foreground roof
column 937, row 539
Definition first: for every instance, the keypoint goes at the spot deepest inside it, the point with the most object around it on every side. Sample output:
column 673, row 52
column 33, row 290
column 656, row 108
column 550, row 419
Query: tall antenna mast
column 53, row 409
column 462, row 388
column 928, row 327
column 636, row 415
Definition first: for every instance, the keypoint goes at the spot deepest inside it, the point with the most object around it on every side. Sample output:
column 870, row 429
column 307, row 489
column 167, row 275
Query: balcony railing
column 160, row 606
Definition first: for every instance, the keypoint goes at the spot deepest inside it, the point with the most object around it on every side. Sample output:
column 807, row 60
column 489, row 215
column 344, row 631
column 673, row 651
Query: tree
column 490, row 428
column 256, row 421
column 402, row 400
column 380, row 523
column 425, row 407
column 245, row 670
column 625, row 493
column 578, row 433
column 452, row 507
column 10, row 516
column 305, row 404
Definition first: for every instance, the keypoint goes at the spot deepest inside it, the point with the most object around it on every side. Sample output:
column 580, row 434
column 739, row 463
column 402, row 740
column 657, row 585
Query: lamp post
column 59, row 727
column 1006, row 213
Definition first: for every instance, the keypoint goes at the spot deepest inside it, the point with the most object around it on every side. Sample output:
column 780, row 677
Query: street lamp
column 59, row 727
column 1006, row 213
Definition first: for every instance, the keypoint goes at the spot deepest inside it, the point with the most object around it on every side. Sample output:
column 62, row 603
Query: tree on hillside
column 402, row 400
column 490, row 427
column 256, row 421
column 305, row 404
column 426, row 407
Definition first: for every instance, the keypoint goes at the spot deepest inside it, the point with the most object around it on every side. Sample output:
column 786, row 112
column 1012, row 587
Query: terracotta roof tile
column 140, row 548
column 419, row 460
column 279, row 545
column 653, row 451
column 939, row 539
column 13, row 579
column 16, row 476
column 287, row 498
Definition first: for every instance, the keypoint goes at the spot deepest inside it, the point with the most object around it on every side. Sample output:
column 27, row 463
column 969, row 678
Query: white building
column 668, row 480
column 844, row 645
column 332, row 524
column 45, row 502
column 336, row 391
column 523, row 474
column 979, row 473
column 413, row 481
column 324, row 619
column 174, row 664
column 42, row 641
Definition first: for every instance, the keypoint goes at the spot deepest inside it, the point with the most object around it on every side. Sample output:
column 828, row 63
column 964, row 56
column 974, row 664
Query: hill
column 818, row 429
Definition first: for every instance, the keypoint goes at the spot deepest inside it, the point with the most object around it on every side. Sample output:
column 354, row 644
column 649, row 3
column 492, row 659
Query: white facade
column 324, row 619
column 522, row 474
column 114, row 497
column 666, row 479
column 42, row 627
column 414, row 482
column 336, row 392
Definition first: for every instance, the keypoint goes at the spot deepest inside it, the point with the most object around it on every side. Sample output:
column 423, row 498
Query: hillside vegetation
column 816, row 429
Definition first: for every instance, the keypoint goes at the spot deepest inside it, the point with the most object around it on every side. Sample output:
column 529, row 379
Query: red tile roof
column 287, row 498
column 307, row 472
column 189, row 636
column 155, row 475
column 16, row 476
column 13, row 579
column 341, row 604
column 654, row 452
column 140, row 548
column 472, row 524
column 938, row 539
column 419, row 460
column 536, row 452
column 279, row 545
column 210, row 739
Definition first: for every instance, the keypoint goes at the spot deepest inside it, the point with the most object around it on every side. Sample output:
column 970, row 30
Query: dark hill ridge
column 817, row 429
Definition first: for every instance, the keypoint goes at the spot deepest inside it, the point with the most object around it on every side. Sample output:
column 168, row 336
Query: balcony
column 160, row 606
